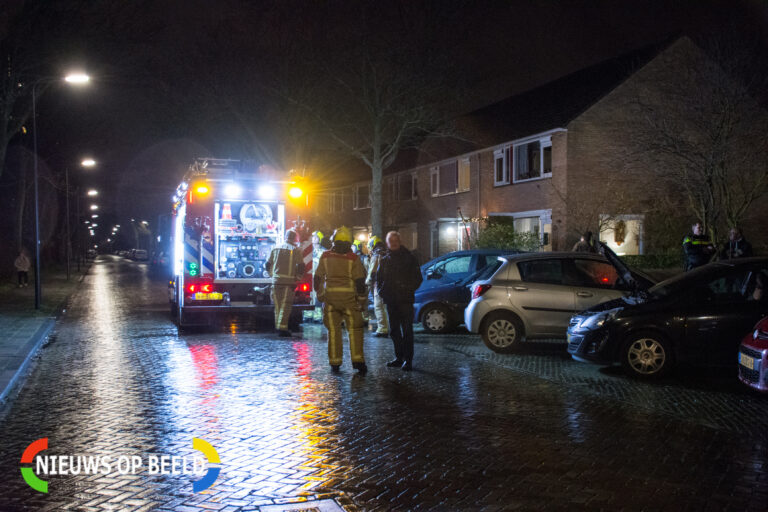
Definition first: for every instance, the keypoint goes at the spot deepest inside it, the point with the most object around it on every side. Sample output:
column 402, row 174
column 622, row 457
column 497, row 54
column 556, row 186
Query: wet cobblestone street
column 467, row 430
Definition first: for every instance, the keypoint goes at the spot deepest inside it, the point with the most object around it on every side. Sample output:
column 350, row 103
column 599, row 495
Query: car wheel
column 436, row 319
column 647, row 356
column 502, row 331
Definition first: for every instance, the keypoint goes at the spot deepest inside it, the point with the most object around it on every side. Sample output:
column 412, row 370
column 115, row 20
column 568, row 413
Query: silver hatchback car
column 534, row 295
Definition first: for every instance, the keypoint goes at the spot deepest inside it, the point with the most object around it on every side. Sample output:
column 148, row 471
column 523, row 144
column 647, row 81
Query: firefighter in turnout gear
column 377, row 250
column 319, row 246
column 286, row 266
column 340, row 285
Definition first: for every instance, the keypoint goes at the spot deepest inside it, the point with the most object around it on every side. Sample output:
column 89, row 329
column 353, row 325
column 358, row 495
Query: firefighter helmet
column 342, row 234
column 292, row 236
column 318, row 234
column 373, row 242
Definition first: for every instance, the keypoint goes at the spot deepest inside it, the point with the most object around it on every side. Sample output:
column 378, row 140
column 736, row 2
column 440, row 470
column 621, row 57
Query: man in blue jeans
column 398, row 278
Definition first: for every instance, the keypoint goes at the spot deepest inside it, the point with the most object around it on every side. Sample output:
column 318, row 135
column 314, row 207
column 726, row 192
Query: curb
column 31, row 347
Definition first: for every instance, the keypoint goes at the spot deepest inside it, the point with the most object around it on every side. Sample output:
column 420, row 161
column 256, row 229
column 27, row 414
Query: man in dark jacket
column 698, row 248
column 737, row 246
column 398, row 278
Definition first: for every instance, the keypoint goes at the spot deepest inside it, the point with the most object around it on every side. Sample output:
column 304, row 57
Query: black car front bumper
column 590, row 346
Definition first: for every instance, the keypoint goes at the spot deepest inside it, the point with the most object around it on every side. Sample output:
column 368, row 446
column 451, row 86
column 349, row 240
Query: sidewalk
column 24, row 330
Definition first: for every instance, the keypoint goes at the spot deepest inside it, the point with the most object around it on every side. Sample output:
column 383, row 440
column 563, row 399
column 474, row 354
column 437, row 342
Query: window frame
column 434, row 181
column 356, row 196
column 468, row 168
column 544, row 142
column 501, row 154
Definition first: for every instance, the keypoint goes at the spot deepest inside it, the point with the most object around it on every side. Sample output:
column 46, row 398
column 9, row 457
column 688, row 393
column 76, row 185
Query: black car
column 698, row 317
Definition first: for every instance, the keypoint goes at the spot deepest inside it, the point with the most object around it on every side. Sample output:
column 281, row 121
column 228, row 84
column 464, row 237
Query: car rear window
column 541, row 271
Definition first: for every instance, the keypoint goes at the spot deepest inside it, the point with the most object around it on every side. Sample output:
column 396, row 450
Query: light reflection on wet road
column 460, row 432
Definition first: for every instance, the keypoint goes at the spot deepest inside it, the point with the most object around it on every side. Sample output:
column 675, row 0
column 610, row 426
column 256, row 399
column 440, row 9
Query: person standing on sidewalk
column 697, row 247
column 340, row 284
column 378, row 249
column 737, row 246
column 286, row 266
column 398, row 278
column 22, row 265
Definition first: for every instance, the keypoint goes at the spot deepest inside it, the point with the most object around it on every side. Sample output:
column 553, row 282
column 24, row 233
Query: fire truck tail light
column 191, row 288
column 303, row 287
column 206, row 288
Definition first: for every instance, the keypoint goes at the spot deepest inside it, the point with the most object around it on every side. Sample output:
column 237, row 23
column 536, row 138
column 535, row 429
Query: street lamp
column 75, row 78
column 88, row 162
column 93, row 192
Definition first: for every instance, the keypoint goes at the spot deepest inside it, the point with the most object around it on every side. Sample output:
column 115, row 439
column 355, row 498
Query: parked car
column 753, row 357
column 698, row 317
column 139, row 254
column 534, row 295
column 445, row 292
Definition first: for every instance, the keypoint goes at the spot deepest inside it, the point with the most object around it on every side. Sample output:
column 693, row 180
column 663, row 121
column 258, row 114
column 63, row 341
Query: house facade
column 557, row 161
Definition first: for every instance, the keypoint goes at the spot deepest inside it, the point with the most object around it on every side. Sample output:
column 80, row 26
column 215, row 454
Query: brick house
column 552, row 160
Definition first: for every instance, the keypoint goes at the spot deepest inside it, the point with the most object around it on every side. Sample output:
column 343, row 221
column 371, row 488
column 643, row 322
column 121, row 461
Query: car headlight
column 598, row 320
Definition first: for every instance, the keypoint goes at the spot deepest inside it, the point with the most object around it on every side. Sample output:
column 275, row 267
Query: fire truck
column 227, row 217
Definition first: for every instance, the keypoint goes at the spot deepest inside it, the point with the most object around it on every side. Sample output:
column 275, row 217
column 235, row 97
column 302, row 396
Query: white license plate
column 746, row 361
column 208, row 296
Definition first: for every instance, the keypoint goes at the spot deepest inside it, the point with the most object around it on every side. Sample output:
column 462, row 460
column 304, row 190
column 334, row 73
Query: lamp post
column 88, row 162
column 78, row 78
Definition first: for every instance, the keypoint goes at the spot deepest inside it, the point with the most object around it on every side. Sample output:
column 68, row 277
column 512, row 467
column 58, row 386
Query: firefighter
column 377, row 249
column 698, row 248
column 340, row 285
column 319, row 246
column 286, row 266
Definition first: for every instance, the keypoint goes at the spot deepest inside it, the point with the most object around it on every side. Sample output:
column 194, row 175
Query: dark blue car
column 445, row 291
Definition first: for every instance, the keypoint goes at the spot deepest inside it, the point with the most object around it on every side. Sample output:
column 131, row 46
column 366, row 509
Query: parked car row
column 607, row 312
column 134, row 254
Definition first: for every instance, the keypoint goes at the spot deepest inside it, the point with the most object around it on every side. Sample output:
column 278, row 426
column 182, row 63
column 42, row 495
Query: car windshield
column 682, row 281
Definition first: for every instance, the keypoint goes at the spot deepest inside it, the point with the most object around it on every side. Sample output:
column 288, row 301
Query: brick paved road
column 467, row 430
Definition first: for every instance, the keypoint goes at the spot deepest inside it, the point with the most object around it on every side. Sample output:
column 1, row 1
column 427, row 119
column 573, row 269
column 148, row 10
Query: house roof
column 557, row 103
column 549, row 106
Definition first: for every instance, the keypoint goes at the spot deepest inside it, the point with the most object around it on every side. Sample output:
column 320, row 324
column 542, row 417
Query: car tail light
column 303, row 287
column 480, row 289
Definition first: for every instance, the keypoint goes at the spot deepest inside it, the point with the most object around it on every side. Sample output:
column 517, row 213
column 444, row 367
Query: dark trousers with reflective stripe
column 401, row 329
column 282, row 298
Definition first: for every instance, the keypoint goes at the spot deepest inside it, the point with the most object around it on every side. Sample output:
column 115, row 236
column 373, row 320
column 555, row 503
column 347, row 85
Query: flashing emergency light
column 232, row 190
column 184, row 186
column 295, row 192
column 266, row 192
column 303, row 287
column 202, row 189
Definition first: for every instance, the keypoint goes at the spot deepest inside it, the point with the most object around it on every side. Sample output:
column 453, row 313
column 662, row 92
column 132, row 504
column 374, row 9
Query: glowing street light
column 88, row 162
column 94, row 207
column 93, row 192
column 95, row 216
column 77, row 78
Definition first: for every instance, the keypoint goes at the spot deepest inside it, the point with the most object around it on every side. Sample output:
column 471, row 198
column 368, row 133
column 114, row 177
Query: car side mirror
column 433, row 274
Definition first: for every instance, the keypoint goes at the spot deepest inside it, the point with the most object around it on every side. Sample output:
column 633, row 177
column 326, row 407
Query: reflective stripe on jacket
column 285, row 265
column 336, row 277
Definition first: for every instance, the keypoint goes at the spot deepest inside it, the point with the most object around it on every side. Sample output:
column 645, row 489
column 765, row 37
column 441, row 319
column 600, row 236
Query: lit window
column 464, row 168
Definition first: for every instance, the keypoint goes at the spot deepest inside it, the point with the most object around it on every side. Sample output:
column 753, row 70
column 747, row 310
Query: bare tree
column 373, row 92
column 704, row 130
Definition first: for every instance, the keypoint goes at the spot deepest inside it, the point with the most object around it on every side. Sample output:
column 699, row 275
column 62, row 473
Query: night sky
column 177, row 79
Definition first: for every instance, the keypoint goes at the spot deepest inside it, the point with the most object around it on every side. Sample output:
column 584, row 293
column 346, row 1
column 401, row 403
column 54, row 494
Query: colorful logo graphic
column 152, row 464
column 28, row 457
column 213, row 458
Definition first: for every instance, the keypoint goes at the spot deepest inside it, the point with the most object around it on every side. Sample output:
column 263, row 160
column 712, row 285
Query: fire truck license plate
column 746, row 361
column 208, row 296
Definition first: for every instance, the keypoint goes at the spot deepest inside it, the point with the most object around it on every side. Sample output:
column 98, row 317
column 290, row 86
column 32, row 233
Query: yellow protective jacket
column 339, row 279
column 285, row 265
